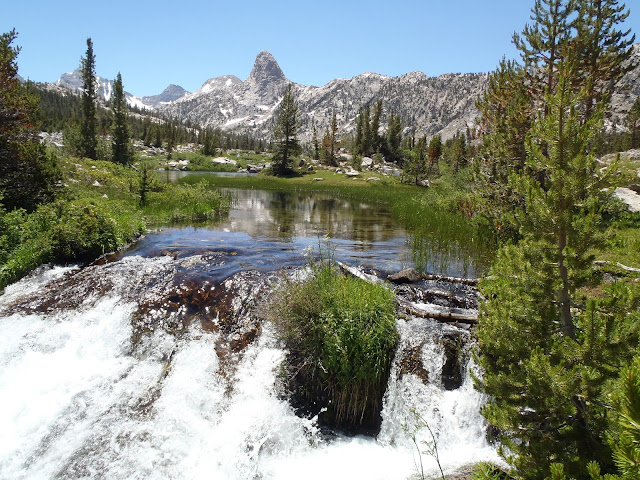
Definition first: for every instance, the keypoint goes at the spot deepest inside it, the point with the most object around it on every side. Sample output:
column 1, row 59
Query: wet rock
column 453, row 367
column 409, row 275
column 410, row 361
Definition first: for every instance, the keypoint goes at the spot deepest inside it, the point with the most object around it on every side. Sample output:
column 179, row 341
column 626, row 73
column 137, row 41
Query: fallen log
column 411, row 275
column 464, row 281
column 358, row 273
column 439, row 313
column 626, row 268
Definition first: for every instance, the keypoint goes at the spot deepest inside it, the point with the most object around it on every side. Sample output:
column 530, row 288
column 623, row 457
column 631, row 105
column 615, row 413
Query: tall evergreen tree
column 541, row 43
column 88, row 128
column 367, row 133
column 28, row 174
column 375, row 126
column 120, row 146
column 316, row 144
column 547, row 351
column 604, row 49
column 633, row 124
column 330, row 142
column 359, row 136
column 285, row 132
column 394, row 136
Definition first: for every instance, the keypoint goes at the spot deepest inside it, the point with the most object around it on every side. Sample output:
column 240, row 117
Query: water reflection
column 267, row 230
column 285, row 216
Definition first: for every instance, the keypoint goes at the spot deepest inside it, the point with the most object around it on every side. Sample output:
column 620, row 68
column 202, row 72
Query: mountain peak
column 266, row 69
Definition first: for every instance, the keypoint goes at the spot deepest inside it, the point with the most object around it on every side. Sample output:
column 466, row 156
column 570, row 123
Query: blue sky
column 156, row 43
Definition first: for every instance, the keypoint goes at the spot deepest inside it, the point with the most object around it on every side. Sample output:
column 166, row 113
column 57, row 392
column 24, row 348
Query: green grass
column 341, row 337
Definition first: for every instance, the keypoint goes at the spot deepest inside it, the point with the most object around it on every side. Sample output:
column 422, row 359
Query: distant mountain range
column 73, row 81
column 441, row 105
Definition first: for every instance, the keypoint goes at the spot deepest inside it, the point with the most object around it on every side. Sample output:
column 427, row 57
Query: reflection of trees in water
column 312, row 214
column 283, row 212
column 285, row 215
column 353, row 220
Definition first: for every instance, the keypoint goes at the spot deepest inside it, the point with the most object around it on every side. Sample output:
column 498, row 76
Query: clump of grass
column 341, row 336
column 186, row 203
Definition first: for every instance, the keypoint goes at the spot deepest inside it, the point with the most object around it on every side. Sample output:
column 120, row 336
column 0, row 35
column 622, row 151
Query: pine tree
column 28, row 174
column 89, row 95
column 633, row 124
column 548, row 351
column 358, row 148
column 542, row 43
column 604, row 49
column 285, row 132
column 367, row 134
column 394, row 136
column 330, row 142
column 316, row 144
column 626, row 444
column 375, row 126
column 120, row 146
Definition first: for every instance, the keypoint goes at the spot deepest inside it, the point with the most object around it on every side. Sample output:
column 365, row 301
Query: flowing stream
column 153, row 364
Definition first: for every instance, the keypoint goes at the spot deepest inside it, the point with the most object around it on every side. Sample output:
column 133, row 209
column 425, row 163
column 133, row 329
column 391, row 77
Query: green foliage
column 394, row 137
column 548, row 391
column 541, row 44
column 285, row 133
column 489, row 471
column 120, row 143
column 455, row 152
column 506, row 116
column 98, row 213
column 633, row 124
column 415, row 167
column 29, row 175
column 603, row 50
column 186, row 204
column 626, row 441
column 367, row 139
column 88, row 128
column 341, row 337
column 549, row 350
column 330, row 143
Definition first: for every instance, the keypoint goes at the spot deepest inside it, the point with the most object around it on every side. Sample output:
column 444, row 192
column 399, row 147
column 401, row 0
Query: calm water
column 269, row 229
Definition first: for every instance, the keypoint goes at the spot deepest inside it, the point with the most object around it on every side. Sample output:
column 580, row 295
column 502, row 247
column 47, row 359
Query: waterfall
column 91, row 389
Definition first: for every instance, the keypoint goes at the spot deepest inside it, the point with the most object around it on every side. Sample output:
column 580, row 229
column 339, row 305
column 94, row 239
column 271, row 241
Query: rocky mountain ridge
column 427, row 105
column 431, row 105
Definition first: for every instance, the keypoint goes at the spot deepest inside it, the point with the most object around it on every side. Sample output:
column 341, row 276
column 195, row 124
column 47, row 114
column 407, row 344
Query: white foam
column 81, row 400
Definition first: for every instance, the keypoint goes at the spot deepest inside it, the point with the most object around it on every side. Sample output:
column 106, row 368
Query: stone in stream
column 453, row 368
column 409, row 275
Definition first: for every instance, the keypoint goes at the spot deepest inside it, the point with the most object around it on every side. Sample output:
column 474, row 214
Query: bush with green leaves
column 341, row 337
